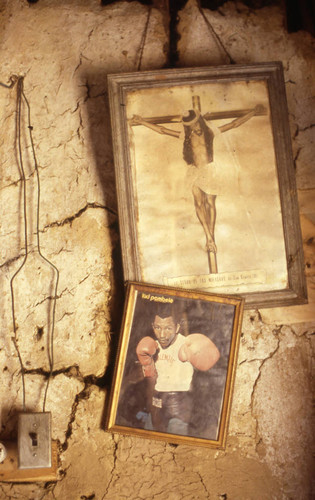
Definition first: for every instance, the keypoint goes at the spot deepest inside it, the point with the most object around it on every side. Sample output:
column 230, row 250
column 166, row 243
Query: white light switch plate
column 34, row 440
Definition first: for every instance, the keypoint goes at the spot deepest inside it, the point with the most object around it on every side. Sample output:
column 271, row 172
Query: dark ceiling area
column 300, row 14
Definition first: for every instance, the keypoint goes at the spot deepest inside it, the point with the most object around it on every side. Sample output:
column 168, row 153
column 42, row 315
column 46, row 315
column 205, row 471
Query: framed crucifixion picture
column 205, row 182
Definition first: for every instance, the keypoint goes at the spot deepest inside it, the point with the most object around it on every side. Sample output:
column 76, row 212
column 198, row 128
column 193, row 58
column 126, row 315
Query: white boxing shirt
column 173, row 375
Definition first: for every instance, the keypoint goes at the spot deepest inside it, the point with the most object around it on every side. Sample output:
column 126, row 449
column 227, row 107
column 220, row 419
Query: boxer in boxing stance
column 170, row 361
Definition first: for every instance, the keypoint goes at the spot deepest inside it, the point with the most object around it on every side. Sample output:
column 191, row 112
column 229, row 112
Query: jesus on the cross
column 198, row 151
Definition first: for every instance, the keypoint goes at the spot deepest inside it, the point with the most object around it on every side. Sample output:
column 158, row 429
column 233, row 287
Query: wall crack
column 112, row 473
column 70, row 219
column 263, row 362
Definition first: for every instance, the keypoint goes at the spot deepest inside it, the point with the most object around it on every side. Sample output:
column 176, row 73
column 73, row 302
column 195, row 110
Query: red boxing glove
column 145, row 351
column 200, row 351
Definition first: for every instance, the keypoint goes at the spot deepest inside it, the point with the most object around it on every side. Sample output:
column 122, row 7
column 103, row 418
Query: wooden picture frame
column 205, row 181
column 176, row 365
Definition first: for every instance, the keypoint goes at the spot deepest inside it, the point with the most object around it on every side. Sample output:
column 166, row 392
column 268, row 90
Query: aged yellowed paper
column 232, row 175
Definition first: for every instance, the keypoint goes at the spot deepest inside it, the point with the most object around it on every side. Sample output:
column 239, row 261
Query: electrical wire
column 22, row 173
column 51, row 346
column 13, row 79
column 21, row 95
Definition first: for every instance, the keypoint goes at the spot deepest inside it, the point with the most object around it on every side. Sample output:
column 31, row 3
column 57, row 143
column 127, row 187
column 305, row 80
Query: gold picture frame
column 175, row 366
column 205, row 182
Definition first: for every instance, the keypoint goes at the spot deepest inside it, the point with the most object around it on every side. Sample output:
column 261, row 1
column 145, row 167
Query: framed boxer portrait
column 175, row 366
column 205, row 181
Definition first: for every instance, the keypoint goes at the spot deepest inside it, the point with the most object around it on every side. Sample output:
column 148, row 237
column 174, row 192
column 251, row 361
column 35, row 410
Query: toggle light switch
column 34, row 440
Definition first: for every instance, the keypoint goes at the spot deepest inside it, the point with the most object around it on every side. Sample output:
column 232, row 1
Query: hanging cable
column 21, row 95
column 51, row 344
column 22, row 174
column 13, row 79
column 216, row 37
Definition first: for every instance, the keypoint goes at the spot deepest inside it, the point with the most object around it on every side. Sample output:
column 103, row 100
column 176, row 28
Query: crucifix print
column 197, row 133
column 204, row 179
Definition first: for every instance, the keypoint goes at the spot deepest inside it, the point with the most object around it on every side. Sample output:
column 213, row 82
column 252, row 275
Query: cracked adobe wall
column 65, row 50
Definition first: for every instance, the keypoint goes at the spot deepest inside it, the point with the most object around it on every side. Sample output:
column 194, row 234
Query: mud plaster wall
column 65, row 50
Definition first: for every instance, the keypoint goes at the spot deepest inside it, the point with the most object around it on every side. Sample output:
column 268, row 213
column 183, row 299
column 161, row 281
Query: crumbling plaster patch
column 283, row 399
column 65, row 52
column 258, row 343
